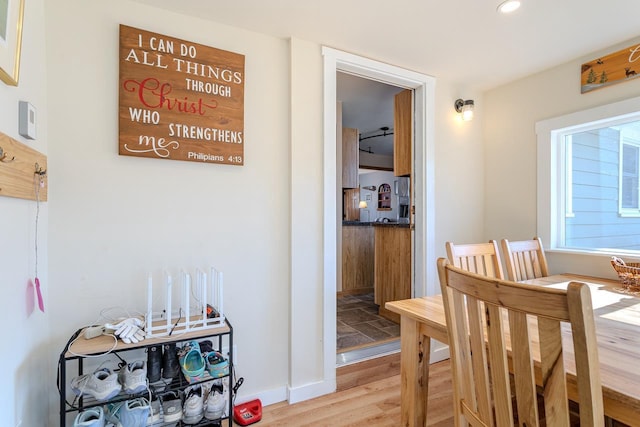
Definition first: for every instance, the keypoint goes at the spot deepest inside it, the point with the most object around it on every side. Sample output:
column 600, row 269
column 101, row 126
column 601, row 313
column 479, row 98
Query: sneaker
column 170, row 363
column 101, row 384
column 191, row 362
column 130, row 413
column 206, row 346
column 217, row 365
column 133, row 377
column 216, row 403
column 154, row 413
column 154, row 363
column 171, row 407
column 193, row 405
column 92, row 417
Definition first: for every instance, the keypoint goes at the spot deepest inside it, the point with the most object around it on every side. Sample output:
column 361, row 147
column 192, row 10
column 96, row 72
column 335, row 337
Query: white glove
column 129, row 330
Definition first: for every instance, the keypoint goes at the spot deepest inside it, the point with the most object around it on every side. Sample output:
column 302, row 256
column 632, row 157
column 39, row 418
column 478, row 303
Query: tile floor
column 359, row 324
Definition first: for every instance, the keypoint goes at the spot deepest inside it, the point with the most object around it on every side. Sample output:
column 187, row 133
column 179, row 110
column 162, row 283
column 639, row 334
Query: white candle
column 187, row 287
column 203, row 286
column 149, row 304
column 220, row 293
column 168, row 305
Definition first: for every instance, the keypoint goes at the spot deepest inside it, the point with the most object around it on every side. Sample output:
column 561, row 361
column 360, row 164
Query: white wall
column 26, row 358
column 114, row 218
column 511, row 112
column 376, row 179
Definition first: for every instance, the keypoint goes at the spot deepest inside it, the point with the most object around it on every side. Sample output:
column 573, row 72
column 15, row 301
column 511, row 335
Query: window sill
column 601, row 253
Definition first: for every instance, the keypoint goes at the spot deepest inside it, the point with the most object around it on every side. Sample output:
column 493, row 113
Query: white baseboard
column 309, row 391
column 439, row 352
column 268, row 397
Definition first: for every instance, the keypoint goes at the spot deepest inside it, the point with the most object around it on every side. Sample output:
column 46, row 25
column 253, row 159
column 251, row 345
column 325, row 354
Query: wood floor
column 376, row 403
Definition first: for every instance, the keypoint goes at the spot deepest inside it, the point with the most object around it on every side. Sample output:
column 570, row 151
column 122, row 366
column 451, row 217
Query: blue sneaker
column 131, row 413
column 92, row 417
column 191, row 362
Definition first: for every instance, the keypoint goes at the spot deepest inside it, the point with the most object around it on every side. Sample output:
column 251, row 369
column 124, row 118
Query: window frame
column 551, row 163
column 622, row 211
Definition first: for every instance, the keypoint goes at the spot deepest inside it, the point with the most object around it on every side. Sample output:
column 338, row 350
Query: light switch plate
column 27, row 120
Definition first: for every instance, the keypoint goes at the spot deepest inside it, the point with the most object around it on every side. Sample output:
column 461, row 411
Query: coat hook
column 4, row 158
column 40, row 171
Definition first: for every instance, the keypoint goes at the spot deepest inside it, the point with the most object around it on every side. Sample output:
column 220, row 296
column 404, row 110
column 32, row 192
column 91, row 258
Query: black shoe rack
column 78, row 349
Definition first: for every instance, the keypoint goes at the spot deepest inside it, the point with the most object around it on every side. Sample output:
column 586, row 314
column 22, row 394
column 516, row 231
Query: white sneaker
column 171, row 407
column 216, row 403
column 101, row 384
column 154, row 413
column 133, row 377
column 193, row 409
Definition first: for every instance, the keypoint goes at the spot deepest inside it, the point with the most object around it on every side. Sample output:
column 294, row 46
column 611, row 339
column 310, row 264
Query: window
column 629, row 177
column 589, row 180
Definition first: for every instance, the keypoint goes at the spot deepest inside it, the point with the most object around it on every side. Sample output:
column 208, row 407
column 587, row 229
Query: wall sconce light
column 465, row 108
column 363, row 204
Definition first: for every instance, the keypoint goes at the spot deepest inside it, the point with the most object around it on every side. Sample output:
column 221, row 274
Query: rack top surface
column 105, row 343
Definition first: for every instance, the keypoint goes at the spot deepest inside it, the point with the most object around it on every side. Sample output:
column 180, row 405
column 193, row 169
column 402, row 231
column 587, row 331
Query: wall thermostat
column 27, row 120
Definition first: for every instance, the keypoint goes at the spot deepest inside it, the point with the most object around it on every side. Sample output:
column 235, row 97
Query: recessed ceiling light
column 508, row 6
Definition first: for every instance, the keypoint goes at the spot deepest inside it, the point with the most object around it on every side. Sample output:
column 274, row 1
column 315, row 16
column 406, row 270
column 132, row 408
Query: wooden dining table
column 617, row 320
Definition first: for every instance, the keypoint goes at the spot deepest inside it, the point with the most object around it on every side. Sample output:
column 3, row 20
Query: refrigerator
column 403, row 199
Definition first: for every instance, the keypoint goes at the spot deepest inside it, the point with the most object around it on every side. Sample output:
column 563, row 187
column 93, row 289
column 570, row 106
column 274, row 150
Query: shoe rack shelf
column 77, row 350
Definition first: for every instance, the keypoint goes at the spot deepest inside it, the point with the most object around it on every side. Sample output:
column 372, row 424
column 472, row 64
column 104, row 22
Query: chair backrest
column 480, row 258
column 477, row 310
column 525, row 259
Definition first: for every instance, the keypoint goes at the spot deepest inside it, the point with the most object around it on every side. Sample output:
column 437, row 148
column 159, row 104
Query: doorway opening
column 373, row 196
column 423, row 272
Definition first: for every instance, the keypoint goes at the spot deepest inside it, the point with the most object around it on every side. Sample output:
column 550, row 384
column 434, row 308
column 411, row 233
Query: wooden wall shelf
column 21, row 168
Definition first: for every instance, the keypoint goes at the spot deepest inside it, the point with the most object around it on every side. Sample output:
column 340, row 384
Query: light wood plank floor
column 373, row 404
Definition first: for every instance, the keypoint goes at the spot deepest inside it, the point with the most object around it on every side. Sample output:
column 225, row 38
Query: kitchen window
column 589, row 180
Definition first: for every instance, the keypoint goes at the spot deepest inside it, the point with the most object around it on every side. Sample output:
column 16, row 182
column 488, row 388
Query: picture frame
column 11, row 19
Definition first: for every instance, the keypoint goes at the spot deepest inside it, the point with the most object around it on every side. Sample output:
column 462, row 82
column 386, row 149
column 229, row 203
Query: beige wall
column 114, row 218
column 511, row 112
column 26, row 359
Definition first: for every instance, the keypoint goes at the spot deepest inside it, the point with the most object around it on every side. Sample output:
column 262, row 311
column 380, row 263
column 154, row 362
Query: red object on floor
column 248, row 413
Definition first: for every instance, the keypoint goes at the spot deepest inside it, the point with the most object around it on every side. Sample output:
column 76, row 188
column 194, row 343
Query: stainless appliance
column 403, row 199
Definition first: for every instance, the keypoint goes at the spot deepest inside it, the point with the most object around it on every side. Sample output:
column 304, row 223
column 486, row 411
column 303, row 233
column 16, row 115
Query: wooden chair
column 525, row 259
column 476, row 305
column 480, row 258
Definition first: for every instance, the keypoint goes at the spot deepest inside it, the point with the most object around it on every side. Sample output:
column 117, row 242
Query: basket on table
column 628, row 273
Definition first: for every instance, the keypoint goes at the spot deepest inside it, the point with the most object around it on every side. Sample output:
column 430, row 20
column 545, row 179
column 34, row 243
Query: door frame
column 424, row 272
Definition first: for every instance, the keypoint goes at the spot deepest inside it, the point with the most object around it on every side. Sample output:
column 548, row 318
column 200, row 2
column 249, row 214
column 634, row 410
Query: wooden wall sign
column 613, row 68
column 180, row 100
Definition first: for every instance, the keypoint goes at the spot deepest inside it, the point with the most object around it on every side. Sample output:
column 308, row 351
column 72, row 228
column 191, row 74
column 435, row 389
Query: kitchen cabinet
column 351, row 202
column 402, row 133
column 357, row 259
column 350, row 157
column 392, row 266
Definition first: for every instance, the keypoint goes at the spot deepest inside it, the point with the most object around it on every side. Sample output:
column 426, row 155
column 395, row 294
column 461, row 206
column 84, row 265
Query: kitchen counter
column 357, row 223
column 391, row 224
column 376, row 224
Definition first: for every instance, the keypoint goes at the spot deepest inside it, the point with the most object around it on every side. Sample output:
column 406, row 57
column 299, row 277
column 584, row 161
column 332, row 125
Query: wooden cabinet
column 402, row 133
column 357, row 259
column 350, row 156
column 351, row 201
column 392, row 267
